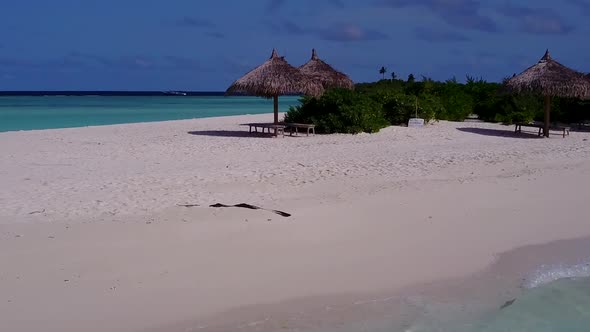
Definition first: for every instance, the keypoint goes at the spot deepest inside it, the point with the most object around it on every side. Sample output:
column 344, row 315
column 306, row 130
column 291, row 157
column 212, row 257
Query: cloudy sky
column 206, row 44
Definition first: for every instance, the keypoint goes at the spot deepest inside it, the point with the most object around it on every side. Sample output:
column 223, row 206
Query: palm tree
column 393, row 76
column 452, row 80
column 382, row 71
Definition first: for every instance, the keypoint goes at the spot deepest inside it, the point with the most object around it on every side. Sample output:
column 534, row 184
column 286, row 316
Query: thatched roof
column 550, row 78
column 275, row 77
column 325, row 74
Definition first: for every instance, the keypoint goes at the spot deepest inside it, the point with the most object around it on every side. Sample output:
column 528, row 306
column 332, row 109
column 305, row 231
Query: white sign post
column 416, row 122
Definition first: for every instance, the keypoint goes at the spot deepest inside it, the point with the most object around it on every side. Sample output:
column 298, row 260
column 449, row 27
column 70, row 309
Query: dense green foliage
column 340, row 111
column 372, row 106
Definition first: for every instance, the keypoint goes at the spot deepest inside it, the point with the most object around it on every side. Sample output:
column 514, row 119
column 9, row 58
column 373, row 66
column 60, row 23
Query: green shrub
column 373, row 106
column 429, row 107
column 485, row 96
column 457, row 104
column 340, row 111
column 509, row 109
column 569, row 110
column 398, row 109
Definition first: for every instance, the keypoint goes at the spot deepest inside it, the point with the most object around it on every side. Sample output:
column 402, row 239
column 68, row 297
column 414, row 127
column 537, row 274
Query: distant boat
column 175, row 93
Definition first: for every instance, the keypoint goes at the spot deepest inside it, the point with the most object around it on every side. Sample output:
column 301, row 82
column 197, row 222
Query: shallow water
column 46, row 112
column 555, row 297
column 560, row 306
column 563, row 305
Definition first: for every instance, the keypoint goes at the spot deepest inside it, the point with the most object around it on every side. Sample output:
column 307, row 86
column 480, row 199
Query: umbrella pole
column 276, row 106
column 547, row 115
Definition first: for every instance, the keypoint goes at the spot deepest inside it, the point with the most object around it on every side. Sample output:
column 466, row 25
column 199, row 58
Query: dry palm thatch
column 549, row 78
column 274, row 78
column 325, row 74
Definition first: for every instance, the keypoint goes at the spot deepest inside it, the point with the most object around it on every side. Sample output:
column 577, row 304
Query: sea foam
column 549, row 273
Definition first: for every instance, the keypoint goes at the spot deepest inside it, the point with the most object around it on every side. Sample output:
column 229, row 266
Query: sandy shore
column 92, row 237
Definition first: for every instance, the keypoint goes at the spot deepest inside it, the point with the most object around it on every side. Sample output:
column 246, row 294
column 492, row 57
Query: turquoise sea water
column 45, row 112
column 545, row 305
column 559, row 306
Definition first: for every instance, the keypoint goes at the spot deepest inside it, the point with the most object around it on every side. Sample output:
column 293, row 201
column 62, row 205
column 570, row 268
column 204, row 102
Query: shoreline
column 151, row 293
column 91, row 230
column 457, row 301
column 155, row 122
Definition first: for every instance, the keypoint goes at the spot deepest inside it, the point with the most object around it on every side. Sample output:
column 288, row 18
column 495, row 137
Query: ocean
column 66, row 111
column 561, row 305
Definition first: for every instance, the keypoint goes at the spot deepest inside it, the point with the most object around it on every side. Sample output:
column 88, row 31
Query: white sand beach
column 92, row 237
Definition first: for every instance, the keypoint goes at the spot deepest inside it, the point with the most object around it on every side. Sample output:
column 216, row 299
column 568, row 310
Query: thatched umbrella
column 274, row 78
column 549, row 78
column 325, row 74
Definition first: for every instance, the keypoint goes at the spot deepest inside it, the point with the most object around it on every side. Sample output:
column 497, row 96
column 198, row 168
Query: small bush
column 340, row 111
column 429, row 107
column 457, row 104
column 398, row 109
column 509, row 109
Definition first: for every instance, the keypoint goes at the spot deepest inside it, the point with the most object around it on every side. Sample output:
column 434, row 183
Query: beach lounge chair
column 565, row 130
column 294, row 128
column 278, row 128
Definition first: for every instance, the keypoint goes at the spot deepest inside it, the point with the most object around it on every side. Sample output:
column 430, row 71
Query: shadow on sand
column 229, row 133
column 499, row 133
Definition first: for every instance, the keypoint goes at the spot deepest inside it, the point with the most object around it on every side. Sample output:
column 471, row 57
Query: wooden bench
column 294, row 127
column 564, row 130
column 279, row 129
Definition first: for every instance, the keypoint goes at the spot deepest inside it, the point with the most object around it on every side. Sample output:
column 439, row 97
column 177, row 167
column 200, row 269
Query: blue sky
column 205, row 45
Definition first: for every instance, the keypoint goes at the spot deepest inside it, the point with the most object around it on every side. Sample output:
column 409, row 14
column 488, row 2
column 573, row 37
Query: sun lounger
column 563, row 129
column 294, row 127
column 279, row 129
